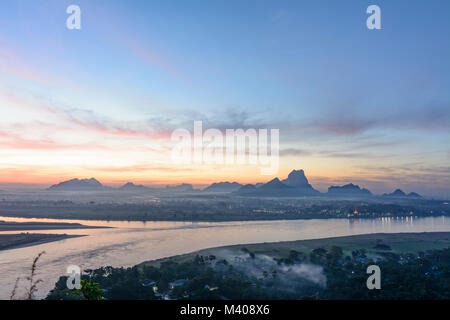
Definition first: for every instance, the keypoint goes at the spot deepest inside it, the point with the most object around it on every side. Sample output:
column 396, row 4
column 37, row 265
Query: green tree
column 90, row 291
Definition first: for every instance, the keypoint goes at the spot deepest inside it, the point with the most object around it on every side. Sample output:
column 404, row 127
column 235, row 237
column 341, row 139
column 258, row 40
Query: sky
column 371, row 107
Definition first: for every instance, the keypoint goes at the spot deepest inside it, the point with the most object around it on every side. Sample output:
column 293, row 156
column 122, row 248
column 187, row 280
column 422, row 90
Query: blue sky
column 352, row 104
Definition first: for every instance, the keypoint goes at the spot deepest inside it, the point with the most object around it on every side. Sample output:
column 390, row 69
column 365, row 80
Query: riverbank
column 21, row 240
column 23, row 226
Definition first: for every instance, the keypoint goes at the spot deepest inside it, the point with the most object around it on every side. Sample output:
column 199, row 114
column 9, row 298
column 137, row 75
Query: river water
column 129, row 243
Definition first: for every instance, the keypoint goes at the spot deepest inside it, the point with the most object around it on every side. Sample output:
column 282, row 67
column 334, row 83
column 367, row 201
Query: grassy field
column 398, row 242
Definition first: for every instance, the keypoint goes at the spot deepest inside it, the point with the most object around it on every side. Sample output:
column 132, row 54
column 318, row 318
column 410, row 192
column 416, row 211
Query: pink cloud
column 16, row 67
column 151, row 56
column 143, row 168
column 16, row 142
column 94, row 123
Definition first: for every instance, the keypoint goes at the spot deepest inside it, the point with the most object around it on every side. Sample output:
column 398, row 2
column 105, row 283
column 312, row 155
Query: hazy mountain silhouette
column 184, row 187
column 223, row 187
column 297, row 179
column 131, row 187
column 414, row 195
column 348, row 190
column 91, row 184
column 274, row 184
column 296, row 184
column 247, row 189
column 400, row 194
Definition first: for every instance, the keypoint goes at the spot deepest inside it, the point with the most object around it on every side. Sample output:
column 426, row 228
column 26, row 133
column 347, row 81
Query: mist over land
column 329, row 268
column 291, row 198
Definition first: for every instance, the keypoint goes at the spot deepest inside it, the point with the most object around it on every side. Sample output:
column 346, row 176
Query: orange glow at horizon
column 152, row 175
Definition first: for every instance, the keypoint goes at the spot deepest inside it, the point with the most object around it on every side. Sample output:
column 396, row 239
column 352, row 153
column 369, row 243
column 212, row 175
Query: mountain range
column 296, row 184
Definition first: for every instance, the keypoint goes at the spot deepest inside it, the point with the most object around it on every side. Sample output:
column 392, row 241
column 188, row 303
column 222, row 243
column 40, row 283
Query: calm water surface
column 129, row 243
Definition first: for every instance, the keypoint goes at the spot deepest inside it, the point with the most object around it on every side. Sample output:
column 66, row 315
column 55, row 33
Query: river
column 129, row 243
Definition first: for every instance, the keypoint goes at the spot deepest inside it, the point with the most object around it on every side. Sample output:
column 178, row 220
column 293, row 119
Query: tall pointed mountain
column 296, row 184
column 297, row 179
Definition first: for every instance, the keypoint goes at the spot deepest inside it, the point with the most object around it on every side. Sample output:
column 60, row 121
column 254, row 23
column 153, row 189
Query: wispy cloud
column 139, row 168
column 8, row 140
column 294, row 152
column 85, row 119
column 11, row 63
column 433, row 116
column 154, row 58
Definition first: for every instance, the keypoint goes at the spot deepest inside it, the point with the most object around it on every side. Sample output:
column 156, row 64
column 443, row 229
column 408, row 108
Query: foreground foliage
column 422, row 275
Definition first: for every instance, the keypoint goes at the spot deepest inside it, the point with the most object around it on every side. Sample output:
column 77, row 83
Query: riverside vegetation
column 318, row 269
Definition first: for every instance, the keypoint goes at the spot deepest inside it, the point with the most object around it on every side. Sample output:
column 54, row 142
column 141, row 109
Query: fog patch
column 294, row 278
column 307, row 271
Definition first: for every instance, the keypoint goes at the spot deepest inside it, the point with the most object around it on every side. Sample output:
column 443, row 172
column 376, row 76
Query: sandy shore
column 23, row 226
column 20, row 240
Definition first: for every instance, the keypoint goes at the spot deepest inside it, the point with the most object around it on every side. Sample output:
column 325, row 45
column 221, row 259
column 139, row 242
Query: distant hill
column 184, row 187
column 274, row 184
column 223, row 187
column 91, row 184
column 274, row 188
column 348, row 190
column 247, row 189
column 296, row 184
column 400, row 194
column 414, row 195
column 396, row 193
column 131, row 187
